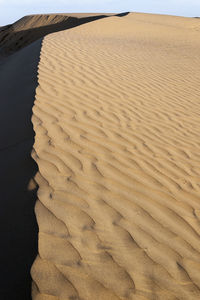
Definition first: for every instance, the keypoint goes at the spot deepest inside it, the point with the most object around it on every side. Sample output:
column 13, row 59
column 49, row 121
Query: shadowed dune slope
column 30, row 28
column 18, row 226
column 117, row 145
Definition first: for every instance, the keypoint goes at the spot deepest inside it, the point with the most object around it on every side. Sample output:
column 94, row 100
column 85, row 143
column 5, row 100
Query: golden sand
column 117, row 123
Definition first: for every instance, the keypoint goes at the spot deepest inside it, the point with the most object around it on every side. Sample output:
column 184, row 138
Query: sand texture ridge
column 116, row 121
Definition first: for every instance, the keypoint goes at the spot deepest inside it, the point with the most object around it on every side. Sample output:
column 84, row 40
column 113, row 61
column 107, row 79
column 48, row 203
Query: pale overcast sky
column 12, row 10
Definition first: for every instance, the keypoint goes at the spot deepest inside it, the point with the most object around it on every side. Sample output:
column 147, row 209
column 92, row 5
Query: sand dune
column 18, row 81
column 30, row 28
column 116, row 119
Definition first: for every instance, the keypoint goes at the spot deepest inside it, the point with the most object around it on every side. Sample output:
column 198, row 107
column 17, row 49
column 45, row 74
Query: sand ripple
column 117, row 144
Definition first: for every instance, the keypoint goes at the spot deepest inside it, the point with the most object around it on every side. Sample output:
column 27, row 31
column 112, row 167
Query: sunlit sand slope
column 117, row 123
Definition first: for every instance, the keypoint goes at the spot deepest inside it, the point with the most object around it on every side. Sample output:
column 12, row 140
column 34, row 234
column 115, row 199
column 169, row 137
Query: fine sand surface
column 117, row 123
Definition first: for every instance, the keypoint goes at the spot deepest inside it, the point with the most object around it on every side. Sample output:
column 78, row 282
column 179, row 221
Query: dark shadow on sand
column 18, row 226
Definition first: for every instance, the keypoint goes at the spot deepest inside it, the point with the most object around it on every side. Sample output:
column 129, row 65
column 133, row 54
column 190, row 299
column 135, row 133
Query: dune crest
column 28, row 29
column 116, row 118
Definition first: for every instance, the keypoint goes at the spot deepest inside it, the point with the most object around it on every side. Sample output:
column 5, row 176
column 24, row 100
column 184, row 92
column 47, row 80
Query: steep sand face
column 18, row 192
column 117, row 144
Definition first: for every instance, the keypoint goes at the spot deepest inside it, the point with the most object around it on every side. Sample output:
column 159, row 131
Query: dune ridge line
column 29, row 29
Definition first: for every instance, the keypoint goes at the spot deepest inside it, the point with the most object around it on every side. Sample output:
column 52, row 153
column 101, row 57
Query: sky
column 12, row 10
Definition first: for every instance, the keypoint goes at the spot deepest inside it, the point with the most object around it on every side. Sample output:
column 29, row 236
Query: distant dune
column 115, row 109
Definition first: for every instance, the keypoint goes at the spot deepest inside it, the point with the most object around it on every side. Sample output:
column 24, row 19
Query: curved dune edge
column 117, row 145
column 30, row 28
